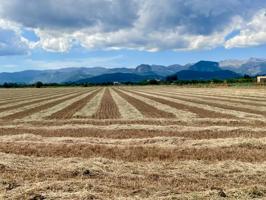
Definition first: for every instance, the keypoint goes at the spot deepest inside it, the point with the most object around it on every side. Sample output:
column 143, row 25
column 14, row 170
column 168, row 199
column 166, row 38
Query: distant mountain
column 118, row 77
column 231, row 62
column 143, row 69
column 166, row 71
column 51, row 76
column 253, row 66
column 177, row 68
column 205, row 66
column 119, row 70
column 206, row 70
column 200, row 75
column 19, row 77
column 75, row 74
column 140, row 73
column 158, row 69
column 221, row 70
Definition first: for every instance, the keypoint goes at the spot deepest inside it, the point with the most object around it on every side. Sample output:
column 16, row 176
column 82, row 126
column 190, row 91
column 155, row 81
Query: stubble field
column 154, row 142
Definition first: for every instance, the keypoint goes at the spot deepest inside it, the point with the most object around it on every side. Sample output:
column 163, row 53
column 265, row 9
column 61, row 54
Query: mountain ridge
column 252, row 66
column 206, row 70
column 75, row 74
column 118, row 77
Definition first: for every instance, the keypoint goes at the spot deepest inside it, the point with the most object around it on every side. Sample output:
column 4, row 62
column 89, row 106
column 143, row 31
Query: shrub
column 39, row 84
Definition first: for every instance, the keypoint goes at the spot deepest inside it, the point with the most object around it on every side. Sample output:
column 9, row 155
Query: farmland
column 152, row 142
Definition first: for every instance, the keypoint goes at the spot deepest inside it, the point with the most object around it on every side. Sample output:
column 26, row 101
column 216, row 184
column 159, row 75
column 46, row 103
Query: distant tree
column 246, row 76
column 128, row 83
column 39, row 84
column 217, row 81
column 11, row 85
column 153, row 82
column 171, row 78
column 6, row 85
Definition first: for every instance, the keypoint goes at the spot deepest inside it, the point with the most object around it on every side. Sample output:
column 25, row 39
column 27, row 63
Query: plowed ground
column 176, row 143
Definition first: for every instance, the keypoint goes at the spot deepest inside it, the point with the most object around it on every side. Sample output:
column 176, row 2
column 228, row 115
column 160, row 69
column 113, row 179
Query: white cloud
column 53, row 41
column 12, row 43
column 254, row 33
column 137, row 24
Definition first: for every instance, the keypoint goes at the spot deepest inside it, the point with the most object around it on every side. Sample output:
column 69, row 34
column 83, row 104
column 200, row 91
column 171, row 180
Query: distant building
column 116, row 83
column 261, row 79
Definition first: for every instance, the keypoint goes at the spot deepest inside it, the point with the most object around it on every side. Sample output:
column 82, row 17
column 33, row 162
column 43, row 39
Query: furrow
column 137, row 132
column 222, row 99
column 165, row 142
column 212, row 108
column 42, row 116
column 30, row 102
column 137, row 153
column 91, row 107
column 70, row 110
column 107, row 108
column 34, row 95
column 128, row 112
column 179, row 114
column 231, row 94
column 224, row 105
column 254, row 109
column 35, row 109
column 202, row 113
column 145, row 108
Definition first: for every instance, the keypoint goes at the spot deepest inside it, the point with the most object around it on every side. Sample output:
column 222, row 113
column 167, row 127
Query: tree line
column 169, row 80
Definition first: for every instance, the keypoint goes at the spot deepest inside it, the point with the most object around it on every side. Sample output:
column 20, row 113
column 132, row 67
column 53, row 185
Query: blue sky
column 116, row 33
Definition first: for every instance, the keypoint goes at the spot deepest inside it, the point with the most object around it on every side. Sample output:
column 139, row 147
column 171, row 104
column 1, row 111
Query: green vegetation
column 246, row 80
column 39, row 84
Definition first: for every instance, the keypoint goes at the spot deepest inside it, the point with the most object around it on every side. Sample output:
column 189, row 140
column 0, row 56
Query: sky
column 51, row 34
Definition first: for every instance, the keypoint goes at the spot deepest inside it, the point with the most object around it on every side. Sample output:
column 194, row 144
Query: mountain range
column 92, row 74
column 206, row 70
column 203, row 70
column 253, row 66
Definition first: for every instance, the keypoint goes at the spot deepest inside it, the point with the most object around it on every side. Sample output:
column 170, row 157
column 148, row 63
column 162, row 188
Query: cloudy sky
column 45, row 34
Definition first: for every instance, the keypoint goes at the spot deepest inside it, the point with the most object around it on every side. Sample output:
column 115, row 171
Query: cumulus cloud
column 12, row 44
column 11, row 41
column 138, row 24
column 72, row 14
column 254, row 33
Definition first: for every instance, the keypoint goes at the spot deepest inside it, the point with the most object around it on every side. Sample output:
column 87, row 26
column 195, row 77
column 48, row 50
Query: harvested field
column 152, row 142
column 70, row 110
column 107, row 108
column 144, row 107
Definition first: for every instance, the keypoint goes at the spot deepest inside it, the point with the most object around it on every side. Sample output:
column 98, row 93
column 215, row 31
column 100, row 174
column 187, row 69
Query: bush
column 171, row 78
column 39, row 84
column 154, row 82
